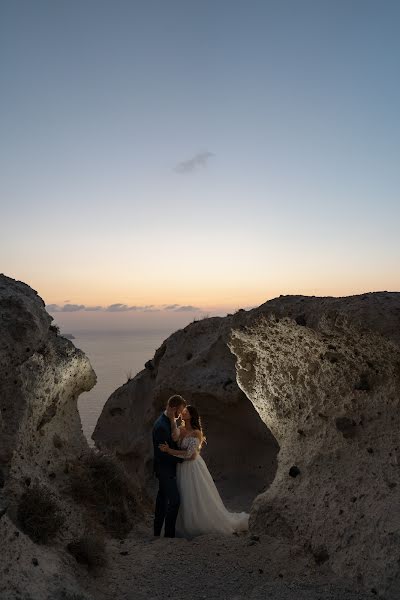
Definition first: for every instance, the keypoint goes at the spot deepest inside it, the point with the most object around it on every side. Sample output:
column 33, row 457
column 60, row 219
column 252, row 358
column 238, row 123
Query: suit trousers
column 167, row 504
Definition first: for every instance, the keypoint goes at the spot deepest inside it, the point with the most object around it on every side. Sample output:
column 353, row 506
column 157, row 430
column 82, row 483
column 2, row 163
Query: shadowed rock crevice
column 241, row 452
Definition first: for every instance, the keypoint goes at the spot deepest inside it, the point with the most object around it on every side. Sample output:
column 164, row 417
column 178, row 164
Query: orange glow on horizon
column 207, row 300
column 210, row 291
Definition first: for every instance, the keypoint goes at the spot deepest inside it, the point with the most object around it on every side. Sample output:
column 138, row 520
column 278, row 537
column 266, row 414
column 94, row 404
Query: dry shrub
column 101, row 484
column 39, row 515
column 88, row 550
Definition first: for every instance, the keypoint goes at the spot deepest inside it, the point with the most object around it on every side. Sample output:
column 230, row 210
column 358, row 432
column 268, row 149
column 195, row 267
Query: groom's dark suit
column 168, row 500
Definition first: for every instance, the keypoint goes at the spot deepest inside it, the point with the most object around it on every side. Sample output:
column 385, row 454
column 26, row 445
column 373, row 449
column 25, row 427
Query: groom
column 168, row 500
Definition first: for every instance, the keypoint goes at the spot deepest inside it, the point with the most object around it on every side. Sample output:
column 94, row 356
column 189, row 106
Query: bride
column 201, row 510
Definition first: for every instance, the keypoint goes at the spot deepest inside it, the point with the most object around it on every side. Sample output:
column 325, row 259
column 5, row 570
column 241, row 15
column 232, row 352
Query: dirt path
column 213, row 567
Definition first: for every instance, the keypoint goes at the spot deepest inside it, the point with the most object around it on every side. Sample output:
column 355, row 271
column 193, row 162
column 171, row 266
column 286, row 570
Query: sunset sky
column 207, row 155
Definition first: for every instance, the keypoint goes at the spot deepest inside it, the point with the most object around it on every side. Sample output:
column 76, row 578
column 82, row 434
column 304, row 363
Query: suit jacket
column 164, row 463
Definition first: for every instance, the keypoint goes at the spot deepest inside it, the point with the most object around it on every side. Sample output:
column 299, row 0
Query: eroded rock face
column 41, row 377
column 330, row 394
column 319, row 374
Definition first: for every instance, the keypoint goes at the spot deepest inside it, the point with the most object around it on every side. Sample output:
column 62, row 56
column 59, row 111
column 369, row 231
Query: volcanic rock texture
column 41, row 376
column 315, row 379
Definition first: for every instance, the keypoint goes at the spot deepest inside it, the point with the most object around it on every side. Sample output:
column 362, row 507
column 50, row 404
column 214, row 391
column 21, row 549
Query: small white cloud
column 73, row 307
column 53, row 308
column 65, row 308
column 119, row 308
column 187, row 308
column 199, row 160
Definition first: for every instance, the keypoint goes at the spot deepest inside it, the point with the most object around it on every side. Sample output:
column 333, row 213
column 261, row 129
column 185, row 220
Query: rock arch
column 197, row 363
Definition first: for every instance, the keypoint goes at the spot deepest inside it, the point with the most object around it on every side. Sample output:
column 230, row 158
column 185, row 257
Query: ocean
column 114, row 355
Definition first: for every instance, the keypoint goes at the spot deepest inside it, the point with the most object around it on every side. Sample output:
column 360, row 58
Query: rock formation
column 300, row 405
column 41, row 377
column 330, row 395
column 197, row 363
column 318, row 378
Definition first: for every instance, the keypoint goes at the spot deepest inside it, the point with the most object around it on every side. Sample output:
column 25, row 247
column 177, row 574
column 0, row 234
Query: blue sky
column 296, row 102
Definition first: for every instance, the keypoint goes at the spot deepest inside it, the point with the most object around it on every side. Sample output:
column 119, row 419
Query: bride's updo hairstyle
column 195, row 421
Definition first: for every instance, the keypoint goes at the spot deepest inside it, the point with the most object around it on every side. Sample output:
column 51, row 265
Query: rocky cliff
column 41, row 377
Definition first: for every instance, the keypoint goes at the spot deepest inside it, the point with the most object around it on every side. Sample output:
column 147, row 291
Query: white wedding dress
column 202, row 510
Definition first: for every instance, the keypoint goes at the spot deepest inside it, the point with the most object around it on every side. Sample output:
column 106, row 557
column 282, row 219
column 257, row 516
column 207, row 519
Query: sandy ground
column 212, row 567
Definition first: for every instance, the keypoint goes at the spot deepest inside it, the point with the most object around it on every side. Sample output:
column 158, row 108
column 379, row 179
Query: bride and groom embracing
column 187, row 500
